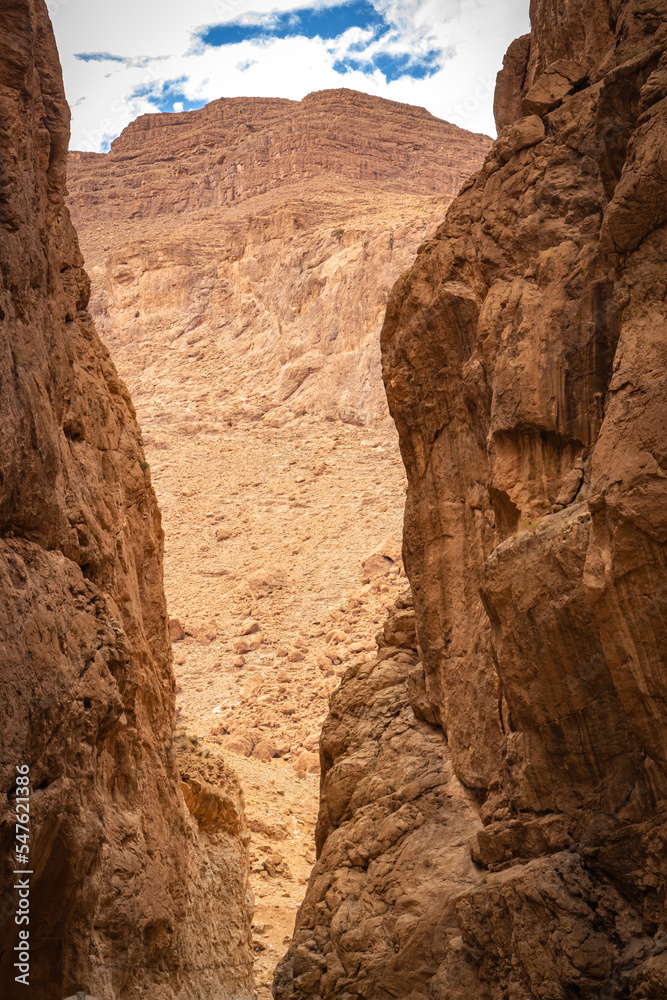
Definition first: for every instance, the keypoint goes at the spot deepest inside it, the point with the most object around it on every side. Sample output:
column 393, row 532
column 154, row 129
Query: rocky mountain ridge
column 236, row 148
column 261, row 237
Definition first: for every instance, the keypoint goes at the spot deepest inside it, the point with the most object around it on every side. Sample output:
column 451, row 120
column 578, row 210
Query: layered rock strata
column 525, row 360
column 242, row 255
column 135, row 888
column 237, row 148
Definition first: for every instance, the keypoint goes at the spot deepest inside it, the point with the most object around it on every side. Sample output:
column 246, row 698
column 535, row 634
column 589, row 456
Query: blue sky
column 309, row 22
column 127, row 58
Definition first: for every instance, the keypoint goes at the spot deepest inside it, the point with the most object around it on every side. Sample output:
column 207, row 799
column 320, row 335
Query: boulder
column 552, row 86
column 176, row 630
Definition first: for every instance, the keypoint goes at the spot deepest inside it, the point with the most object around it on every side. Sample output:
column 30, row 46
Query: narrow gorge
column 241, row 257
column 387, row 526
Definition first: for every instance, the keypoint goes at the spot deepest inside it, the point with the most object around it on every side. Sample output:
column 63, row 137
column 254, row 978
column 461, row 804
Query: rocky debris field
column 282, row 558
column 281, row 807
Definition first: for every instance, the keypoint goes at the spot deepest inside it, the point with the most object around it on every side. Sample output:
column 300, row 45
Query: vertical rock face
column 119, row 862
column 525, row 361
column 392, row 836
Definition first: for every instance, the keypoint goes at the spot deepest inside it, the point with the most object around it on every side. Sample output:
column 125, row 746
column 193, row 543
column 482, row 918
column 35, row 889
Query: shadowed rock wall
column 525, row 361
column 120, row 863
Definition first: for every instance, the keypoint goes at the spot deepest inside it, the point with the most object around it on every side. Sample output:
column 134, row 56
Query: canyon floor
column 282, row 551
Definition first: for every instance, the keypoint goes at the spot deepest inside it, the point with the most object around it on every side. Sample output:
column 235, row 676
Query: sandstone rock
column 211, row 790
column 238, row 661
column 240, row 743
column 510, row 82
column 400, row 629
column 376, row 565
column 570, row 739
column 129, row 896
column 223, row 534
column 252, row 686
column 249, row 627
column 420, row 702
column 521, row 135
column 264, row 581
column 247, row 645
column 308, row 762
column 541, row 635
column 548, row 91
column 204, row 634
column 393, row 825
column 264, row 750
column 336, row 635
column 176, row 630
column 383, row 560
column 295, row 656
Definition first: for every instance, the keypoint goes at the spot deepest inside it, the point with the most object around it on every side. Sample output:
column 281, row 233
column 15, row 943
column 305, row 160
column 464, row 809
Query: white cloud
column 155, row 41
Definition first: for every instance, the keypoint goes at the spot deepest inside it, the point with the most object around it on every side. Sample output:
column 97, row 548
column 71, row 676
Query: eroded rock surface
column 392, row 838
column 131, row 894
column 525, row 360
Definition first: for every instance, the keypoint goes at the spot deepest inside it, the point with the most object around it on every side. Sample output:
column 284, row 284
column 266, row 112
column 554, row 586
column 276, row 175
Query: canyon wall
column 525, row 361
column 242, row 255
column 139, row 872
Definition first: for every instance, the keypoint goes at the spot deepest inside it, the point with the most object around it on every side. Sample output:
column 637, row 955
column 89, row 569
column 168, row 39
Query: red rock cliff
column 116, row 905
column 525, row 361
